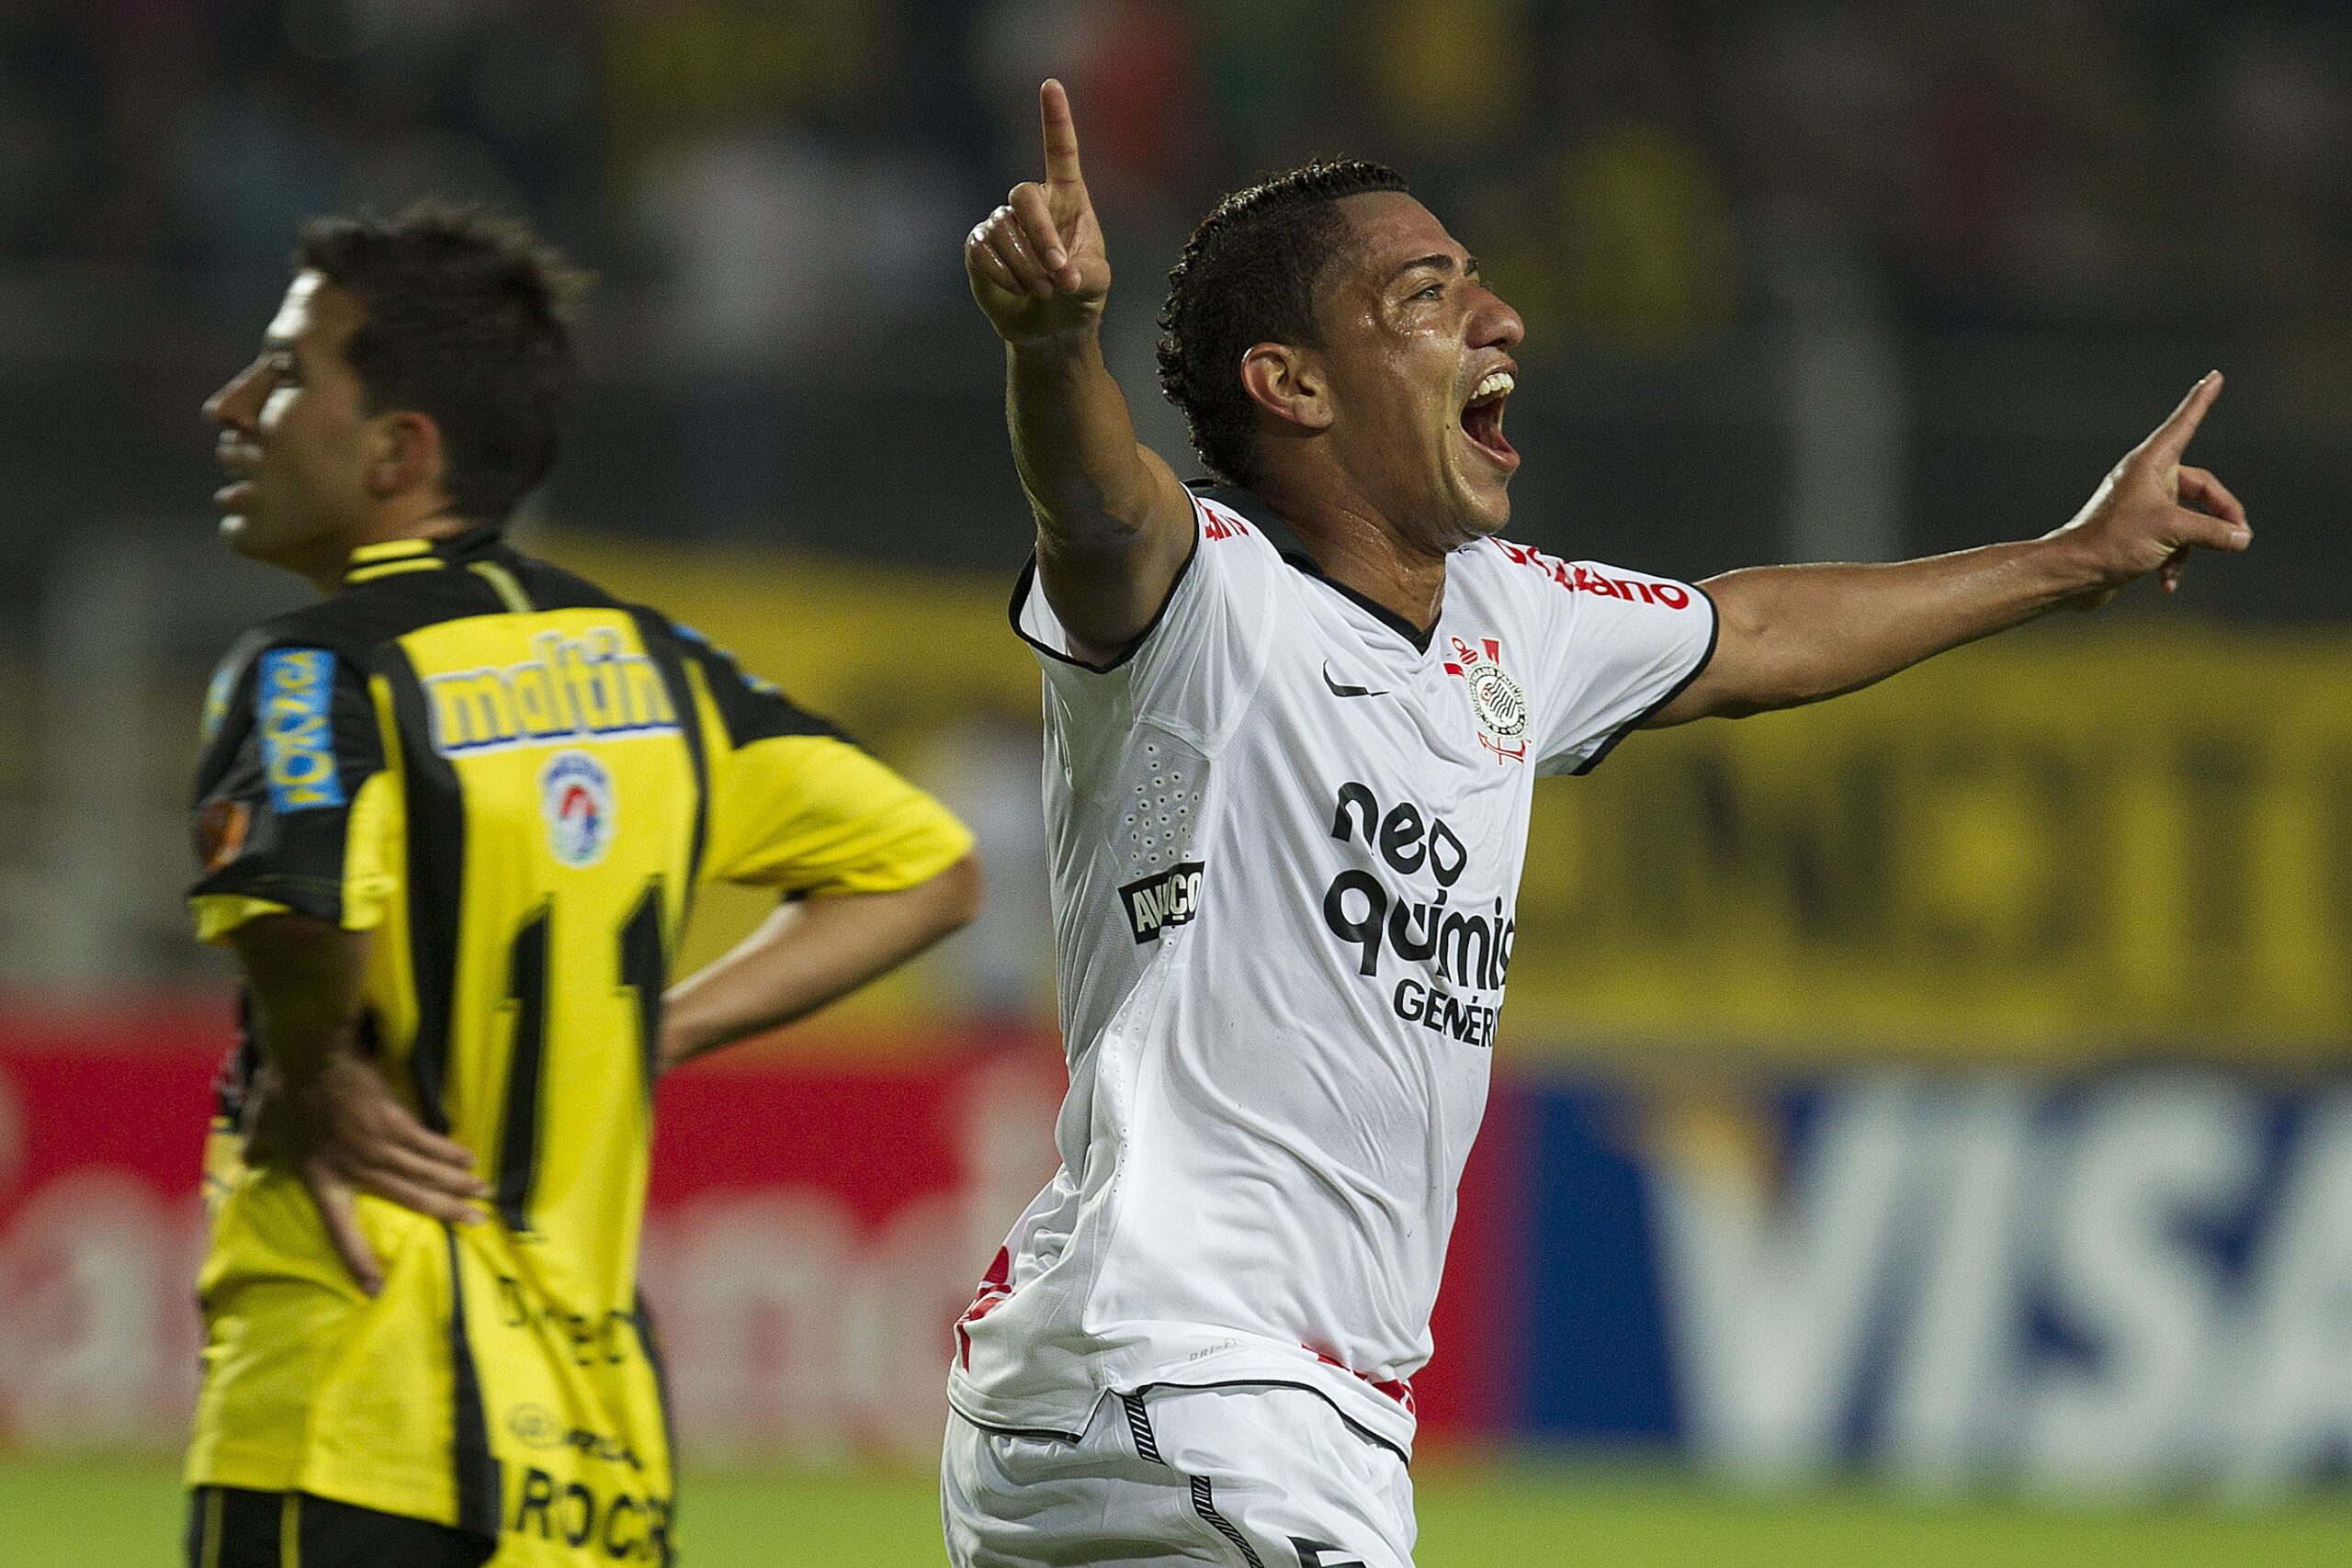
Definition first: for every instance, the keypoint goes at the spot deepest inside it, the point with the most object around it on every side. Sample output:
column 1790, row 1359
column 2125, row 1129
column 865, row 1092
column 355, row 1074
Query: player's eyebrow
column 1437, row 263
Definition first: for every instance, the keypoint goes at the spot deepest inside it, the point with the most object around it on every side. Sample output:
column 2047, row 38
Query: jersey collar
column 392, row 558
column 1285, row 540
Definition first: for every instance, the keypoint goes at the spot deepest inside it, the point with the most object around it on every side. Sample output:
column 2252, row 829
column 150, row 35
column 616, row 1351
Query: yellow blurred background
column 2074, row 846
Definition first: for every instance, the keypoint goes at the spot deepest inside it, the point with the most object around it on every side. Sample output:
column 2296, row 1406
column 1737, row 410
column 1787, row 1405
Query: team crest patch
column 576, row 798
column 1496, row 700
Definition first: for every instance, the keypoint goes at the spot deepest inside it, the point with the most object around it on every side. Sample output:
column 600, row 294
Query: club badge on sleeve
column 1496, row 700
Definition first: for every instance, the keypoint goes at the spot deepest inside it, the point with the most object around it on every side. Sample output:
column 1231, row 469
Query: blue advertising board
column 2129, row 1282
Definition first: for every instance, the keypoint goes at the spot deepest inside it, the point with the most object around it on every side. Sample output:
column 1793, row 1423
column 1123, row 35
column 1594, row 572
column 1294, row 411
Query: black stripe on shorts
column 1139, row 1424
column 1204, row 1497
column 229, row 1527
column 1205, row 1505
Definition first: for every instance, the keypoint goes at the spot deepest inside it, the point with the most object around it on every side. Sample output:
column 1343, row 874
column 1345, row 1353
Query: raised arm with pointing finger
column 1113, row 522
column 1796, row 634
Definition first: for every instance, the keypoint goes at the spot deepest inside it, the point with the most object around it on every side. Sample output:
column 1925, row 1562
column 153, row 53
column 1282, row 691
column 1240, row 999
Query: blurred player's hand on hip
column 1037, row 265
column 2153, row 509
column 344, row 1132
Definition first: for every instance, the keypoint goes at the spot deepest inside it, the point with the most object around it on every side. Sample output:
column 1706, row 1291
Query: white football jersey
column 1285, row 836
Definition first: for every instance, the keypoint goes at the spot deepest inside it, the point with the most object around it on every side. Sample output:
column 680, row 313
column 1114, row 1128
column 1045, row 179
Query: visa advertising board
column 2131, row 1282
column 2137, row 1281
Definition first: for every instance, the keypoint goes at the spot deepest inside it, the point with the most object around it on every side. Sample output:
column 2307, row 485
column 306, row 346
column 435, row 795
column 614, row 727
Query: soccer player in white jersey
column 1287, row 799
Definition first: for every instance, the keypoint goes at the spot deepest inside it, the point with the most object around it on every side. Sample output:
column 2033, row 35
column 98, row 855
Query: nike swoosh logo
column 1339, row 691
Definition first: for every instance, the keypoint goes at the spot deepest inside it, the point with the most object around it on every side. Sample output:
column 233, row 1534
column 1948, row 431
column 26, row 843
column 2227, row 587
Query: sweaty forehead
column 1390, row 230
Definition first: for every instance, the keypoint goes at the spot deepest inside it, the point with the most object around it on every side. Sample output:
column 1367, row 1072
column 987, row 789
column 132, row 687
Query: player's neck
column 1362, row 551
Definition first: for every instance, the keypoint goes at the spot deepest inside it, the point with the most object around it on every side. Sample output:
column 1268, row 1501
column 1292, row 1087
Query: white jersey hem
column 1202, row 1358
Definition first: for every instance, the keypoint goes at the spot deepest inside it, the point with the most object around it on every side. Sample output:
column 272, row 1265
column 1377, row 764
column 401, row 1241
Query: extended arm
column 324, row 1112
column 1797, row 634
column 1113, row 522
column 808, row 953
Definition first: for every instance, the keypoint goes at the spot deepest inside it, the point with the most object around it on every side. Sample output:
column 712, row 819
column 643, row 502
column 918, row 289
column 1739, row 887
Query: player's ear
column 405, row 453
column 1288, row 383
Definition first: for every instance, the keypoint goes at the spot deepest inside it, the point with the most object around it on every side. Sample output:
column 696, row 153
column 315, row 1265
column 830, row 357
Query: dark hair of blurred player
column 467, row 320
column 420, row 372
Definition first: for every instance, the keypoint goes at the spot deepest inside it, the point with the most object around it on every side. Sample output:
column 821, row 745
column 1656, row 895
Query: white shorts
column 1252, row 1475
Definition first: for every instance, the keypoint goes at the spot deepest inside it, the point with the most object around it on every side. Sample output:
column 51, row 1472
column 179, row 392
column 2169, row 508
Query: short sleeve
column 1195, row 667
column 1618, row 645
column 293, row 810
column 796, row 806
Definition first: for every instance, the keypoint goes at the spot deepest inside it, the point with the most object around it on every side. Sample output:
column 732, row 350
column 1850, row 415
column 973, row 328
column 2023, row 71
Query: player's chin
column 1496, row 505
column 251, row 532
column 1481, row 503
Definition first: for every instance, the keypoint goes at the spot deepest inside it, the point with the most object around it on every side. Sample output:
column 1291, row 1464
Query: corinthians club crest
column 1496, row 699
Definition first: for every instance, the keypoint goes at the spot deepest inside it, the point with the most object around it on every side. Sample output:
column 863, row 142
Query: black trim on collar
column 1293, row 549
column 472, row 542
column 1714, row 634
column 1388, row 617
column 1023, row 585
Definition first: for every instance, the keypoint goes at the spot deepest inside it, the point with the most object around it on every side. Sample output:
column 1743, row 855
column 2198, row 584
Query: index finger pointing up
column 2169, row 440
column 1061, row 135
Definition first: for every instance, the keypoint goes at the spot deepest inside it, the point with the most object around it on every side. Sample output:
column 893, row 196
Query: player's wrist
column 686, row 1032
column 1064, row 341
column 2069, row 564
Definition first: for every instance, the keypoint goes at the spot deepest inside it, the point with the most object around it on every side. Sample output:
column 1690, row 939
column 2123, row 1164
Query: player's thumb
column 1090, row 276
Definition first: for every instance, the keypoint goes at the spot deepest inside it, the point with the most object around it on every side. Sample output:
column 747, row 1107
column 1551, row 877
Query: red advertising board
column 818, row 1221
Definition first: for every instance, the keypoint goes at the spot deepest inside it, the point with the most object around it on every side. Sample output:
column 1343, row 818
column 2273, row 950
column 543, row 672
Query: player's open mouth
column 1482, row 418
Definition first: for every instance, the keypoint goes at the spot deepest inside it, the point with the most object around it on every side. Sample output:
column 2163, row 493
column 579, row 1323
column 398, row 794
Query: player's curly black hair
column 469, row 320
column 1248, row 277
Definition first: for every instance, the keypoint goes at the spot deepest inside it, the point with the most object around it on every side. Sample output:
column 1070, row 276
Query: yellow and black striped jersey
column 515, row 781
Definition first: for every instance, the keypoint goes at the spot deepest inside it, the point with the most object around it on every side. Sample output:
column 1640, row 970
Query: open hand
column 345, row 1132
column 1036, row 263
column 2151, row 509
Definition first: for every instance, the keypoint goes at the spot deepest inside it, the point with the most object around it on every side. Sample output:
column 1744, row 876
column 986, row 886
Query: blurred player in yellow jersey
column 451, row 818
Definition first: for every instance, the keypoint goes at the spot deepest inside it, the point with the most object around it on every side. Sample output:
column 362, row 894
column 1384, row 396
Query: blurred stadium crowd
column 774, row 190
column 1803, row 279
